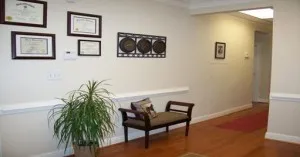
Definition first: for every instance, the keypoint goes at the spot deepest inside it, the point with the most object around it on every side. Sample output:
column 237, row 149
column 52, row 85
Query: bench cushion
column 162, row 118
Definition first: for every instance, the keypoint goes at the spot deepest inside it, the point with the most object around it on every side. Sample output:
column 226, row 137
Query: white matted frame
column 89, row 48
column 84, row 25
column 23, row 13
column 26, row 45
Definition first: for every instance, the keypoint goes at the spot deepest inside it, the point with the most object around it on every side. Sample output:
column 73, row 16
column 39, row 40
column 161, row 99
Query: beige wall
column 215, row 86
column 285, row 114
column 234, row 73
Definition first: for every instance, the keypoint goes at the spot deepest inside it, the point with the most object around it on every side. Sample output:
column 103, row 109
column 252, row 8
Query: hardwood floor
column 207, row 139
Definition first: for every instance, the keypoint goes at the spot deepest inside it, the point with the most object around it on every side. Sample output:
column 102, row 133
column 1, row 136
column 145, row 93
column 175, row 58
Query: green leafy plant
column 86, row 117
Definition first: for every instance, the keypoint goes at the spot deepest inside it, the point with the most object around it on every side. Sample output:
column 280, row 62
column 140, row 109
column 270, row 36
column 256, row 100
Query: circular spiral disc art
column 159, row 46
column 127, row 45
column 144, row 46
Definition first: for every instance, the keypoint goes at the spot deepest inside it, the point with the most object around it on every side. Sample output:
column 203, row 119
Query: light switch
column 246, row 55
column 54, row 75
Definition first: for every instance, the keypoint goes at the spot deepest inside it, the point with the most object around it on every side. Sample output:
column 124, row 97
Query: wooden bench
column 163, row 119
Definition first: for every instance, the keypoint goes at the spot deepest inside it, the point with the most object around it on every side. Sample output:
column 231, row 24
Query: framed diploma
column 23, row 12
column 89, row 48
column 27, row 45
column 84, row 25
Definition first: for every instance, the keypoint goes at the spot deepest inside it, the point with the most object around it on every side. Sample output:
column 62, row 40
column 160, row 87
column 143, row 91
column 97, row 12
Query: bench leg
column 146, row 139
column 187, row 128
column 126, row 133
column 167, row 128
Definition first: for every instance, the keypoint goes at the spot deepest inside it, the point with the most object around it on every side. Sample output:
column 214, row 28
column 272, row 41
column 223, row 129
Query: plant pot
column 84, row 151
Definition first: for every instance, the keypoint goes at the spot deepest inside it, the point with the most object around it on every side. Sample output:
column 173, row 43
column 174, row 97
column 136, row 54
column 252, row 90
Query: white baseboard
column 222, row 113
column 138, row 134
column 282, row 137
column 58, row 153
column 263, row 100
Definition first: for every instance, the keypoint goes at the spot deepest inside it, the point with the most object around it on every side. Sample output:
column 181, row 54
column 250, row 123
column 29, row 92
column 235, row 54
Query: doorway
column 262, row 67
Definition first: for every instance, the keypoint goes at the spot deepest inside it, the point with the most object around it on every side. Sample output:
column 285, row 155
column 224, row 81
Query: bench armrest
column 177, row 103
column 125, row 117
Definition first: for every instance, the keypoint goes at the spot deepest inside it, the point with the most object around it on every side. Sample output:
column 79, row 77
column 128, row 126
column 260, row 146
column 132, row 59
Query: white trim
column 285, row 97
column 282, row 137
column 263, row 100
column 46, row 105
column 28, row 107
column 222, row 113
column 57, row 153
column 153, row 93
column 138, row 134
column 182, row 4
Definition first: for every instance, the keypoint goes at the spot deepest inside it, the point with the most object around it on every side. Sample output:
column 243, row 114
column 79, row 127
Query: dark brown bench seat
column 163, row 119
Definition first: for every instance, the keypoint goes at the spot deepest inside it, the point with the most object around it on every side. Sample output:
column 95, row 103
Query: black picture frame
column 220, row 50
column 128, row 46
column 14, row 45
column 69, row 23
column 3, row 21
column 79, row 48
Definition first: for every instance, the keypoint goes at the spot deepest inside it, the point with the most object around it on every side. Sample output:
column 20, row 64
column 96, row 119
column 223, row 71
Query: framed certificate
column 84, row 25
column 23, row 12
column 89, row 48
column 27, row 45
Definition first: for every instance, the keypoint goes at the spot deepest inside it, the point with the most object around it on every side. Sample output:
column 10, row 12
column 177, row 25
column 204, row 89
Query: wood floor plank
column 207, row 139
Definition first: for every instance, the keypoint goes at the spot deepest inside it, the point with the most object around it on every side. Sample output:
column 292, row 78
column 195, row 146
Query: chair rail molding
column 285, row 97
column 46, row 105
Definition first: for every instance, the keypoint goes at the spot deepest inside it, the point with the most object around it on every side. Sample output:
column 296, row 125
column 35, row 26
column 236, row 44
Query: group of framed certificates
column 33, row 13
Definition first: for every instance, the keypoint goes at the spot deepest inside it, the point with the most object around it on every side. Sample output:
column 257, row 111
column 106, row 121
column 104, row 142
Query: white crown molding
column 46, row 105
column 285, row 97
column 178, row 3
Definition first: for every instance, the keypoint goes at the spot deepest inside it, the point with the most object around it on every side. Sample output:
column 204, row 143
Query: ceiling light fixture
column 266, row 13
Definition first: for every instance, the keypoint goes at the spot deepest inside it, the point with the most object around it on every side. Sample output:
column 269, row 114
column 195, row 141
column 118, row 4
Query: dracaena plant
column 86, row 118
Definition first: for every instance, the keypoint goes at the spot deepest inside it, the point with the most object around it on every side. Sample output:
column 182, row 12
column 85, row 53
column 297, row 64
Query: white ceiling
column 180, row 3
column 232, row 6
column 198, row 4
column 251, row 18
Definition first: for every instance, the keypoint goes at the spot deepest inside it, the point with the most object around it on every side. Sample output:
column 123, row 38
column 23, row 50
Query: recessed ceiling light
column 266, row 13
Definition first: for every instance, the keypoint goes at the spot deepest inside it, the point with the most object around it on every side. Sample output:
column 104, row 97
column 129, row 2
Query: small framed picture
column 84, row 25
column 220, row 50
column 89, row 48
column 24, row 13
column 26, row 45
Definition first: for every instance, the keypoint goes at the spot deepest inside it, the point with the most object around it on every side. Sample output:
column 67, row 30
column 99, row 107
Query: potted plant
column 85, row 121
